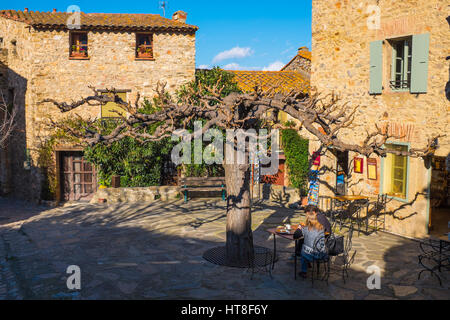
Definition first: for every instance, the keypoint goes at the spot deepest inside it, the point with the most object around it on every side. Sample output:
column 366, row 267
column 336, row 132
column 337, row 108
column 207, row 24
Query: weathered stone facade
column 341, row 35
column 301, row 62
column 38, row 67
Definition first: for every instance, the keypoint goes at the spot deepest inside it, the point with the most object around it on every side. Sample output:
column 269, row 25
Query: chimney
column 303, row 49
column 54, row 10
column 25, row 10
column 180, row 16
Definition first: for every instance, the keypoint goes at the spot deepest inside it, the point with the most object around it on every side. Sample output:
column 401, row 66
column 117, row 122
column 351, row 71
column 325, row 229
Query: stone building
column 390, row 58
column 285, row 82
column 58, row 55
column 301, row 62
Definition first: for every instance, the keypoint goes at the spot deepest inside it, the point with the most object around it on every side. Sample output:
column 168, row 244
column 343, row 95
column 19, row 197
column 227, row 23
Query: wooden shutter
column 419, row 68
column 376, row 67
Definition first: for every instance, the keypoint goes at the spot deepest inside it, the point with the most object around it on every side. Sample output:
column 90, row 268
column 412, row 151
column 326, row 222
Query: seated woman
column 313, row 243
column 323, row 220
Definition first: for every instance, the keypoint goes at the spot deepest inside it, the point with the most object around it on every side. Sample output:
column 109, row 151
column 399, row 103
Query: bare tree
column 7, row 120
column 322, row 117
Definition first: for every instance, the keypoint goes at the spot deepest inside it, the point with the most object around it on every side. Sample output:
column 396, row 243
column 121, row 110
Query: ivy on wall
column 297, row 159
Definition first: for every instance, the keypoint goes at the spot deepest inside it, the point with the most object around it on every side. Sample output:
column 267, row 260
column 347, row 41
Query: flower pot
column 78, row 54
column 145, row 55
column 304, row 201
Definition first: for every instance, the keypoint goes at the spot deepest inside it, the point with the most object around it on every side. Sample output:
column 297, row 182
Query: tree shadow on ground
column 154, row 251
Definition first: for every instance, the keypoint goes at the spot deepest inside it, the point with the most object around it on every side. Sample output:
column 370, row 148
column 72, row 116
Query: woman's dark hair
column 311, row 208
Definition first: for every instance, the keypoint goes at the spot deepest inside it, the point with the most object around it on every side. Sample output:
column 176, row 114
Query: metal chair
column 378, row 211
column 339, row 212
column 320, row 245
column 346, row 258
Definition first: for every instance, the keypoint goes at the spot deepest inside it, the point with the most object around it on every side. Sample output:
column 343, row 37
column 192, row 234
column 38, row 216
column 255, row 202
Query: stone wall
column 130, row 195
column 40, row 61
column 341, row 63
column 299, row 63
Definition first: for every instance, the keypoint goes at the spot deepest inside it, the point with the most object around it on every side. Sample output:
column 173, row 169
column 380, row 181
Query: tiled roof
column 284, row 81
column 103, row 21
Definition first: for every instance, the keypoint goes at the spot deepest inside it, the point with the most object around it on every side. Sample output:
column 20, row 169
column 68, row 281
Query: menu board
column 372, row 169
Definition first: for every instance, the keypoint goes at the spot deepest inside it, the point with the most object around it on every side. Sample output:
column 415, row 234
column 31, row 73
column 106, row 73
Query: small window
column 401, row 64
column 144, row 46
column 79, row 45
column 396, row 172
column 112, row 110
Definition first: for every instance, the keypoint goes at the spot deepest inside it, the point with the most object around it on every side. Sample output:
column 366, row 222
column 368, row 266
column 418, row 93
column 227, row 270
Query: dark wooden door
column 341, row 173
column 79, row 181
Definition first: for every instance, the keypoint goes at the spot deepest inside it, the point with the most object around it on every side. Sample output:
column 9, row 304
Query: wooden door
column 341, row 173
column 78, row 177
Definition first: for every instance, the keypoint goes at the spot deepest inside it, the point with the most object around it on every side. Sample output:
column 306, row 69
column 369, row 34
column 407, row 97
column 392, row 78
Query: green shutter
column 419, row 68
column 376, row 67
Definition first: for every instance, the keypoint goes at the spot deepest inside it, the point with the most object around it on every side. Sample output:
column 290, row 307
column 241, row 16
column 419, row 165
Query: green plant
column 297, row 159
column 204, row 79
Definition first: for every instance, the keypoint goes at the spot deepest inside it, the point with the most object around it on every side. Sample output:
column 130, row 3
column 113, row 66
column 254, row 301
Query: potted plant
column 78, row 52
column 144, row 52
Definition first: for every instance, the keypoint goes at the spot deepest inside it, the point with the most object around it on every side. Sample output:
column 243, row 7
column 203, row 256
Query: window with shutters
column 401, row 64
column 112, row 110
column 408, row 65
column 395, row 176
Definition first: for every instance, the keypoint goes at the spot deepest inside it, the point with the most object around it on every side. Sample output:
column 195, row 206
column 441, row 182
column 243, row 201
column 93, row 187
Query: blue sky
column 248, row 35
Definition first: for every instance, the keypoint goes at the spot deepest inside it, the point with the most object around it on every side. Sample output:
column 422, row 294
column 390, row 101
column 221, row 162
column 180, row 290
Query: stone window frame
column 72, row 35
column 149, row 57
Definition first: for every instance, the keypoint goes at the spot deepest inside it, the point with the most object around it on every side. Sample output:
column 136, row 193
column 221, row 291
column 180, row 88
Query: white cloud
column 232, row 66
column 235, row 53
column 274, row 66
column 203, row 66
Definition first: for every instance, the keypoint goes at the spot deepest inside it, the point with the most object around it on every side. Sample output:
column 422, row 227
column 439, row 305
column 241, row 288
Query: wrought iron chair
column 378, row 213
column 339, row 212
column 435, row 257
column 320, row 245
column 346, row 259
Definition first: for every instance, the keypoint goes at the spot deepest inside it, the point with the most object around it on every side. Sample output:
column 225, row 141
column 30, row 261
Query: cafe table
column 289, row 235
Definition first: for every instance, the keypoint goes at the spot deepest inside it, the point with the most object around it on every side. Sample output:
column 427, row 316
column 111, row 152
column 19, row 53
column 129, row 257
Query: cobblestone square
column 154, row 251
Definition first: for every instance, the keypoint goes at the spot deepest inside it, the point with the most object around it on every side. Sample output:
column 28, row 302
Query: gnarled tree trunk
column 239, row 245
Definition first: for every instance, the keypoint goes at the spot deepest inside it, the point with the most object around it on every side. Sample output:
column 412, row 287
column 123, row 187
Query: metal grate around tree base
column 262, row 257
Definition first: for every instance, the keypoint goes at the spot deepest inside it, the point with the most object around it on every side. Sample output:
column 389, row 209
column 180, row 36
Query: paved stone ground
column 154, row 251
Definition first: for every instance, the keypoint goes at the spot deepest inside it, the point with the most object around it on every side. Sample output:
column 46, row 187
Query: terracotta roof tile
column 102, row 21
column 286, row 81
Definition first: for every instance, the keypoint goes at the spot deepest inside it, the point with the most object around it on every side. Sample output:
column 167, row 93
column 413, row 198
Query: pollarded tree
column 323, row 118
column 7, row 120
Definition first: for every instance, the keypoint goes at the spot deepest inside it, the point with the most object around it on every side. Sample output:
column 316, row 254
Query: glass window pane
column 77, row 166
column 88, row 177
column 87, row 166
column 87, row 188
